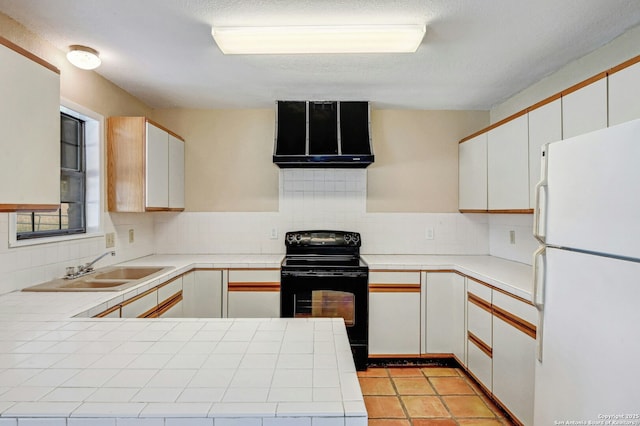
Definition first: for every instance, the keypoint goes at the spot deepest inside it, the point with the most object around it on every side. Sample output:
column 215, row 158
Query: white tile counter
column 512, row 277
column 59, row 370
column 161, row 372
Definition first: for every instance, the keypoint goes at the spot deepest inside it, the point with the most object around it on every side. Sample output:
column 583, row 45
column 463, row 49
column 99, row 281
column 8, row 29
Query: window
column 70, row 218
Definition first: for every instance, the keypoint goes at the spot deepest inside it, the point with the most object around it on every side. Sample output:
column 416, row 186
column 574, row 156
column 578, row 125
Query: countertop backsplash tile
column 321, row 199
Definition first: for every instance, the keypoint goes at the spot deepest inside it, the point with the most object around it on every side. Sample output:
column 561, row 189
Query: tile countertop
column 513, row 277
column 85, row 371
column 59, row 370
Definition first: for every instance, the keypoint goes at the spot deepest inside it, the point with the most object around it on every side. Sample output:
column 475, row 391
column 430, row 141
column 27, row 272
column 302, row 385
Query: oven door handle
column 299, row 274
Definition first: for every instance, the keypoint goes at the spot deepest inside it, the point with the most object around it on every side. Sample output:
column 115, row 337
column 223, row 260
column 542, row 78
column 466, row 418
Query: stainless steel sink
column 113, row 278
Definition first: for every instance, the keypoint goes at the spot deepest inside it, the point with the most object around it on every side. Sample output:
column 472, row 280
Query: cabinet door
column 545, row 125
column 202, row 294
column 508, row 166
column 30, row 123
column 176, row 173
column 472, row 174
column 140, row 306
column 157, row 168
column 585, row 110
column 254, row 293
column 514, row 357
column 445, row 314
column 394, row 313
column 624, row 87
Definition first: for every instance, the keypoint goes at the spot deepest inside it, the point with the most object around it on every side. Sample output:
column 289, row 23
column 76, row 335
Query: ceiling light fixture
column 319, row 39
column 84, row 57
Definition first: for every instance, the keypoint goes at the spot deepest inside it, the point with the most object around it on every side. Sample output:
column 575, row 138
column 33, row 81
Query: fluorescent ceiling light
column 83, row 57
column 319, row 39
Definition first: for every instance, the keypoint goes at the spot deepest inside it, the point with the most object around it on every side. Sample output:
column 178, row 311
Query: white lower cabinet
column 142, row 306
column 202, row 293
column 253, row 293
column 445, row 314
column 394, row 313
column 479, row 332
column 175, row 310
column 170, row 300
column 514, row 351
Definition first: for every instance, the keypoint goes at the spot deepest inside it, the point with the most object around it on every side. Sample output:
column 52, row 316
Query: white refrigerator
column 587, row 279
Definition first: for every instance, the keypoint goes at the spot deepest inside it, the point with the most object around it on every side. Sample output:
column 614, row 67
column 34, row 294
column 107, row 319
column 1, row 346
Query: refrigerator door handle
column 539, row 265
column 538, row 212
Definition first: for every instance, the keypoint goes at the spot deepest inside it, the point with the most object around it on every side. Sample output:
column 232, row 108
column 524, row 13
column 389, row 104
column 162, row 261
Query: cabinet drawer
column 254, row 276
column 169, row 289
column 478, row 289
column 479, row 318
column 479, row 362
column 140, row 305
column 394, row 277
column 516, row 307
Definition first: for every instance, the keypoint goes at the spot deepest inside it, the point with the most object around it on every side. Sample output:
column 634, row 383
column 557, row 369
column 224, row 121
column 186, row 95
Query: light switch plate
column 110, row 239
column 274, row 233
column 512, row 237
column 131, row 236
column 428, row 233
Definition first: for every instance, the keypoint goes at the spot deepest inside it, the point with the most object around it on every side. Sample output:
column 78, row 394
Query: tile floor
column 427, row 396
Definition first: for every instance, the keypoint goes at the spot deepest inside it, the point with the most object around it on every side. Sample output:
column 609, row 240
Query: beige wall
column 229, row 166
column 416, row 159
column 228, row 163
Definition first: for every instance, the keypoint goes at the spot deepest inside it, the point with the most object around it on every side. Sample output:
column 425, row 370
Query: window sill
column 14, row 243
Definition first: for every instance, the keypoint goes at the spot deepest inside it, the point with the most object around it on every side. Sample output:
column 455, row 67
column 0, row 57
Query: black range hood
column 322, row 134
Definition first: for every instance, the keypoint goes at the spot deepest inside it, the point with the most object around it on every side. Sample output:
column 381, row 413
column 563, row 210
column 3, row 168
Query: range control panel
column 322, row 238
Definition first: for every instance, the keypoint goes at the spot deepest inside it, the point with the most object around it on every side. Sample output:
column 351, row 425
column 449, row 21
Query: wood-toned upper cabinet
column 585, row 110
column 30, row 126
column 472, row 174
column 145, row 166
column 545, row 125
column 624, row 86
column 508, row 166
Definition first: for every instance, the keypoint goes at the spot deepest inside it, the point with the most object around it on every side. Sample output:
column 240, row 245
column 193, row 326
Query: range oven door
column 305, row 294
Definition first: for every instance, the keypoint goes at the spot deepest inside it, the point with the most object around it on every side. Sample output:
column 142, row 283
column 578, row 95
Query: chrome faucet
column 86, row 268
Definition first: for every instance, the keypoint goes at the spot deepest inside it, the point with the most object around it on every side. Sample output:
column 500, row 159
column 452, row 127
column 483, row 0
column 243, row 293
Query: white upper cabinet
column 145, row 166
column 585, row 110
column 472, row 174
column 545, row 125
column 157, row 178
column 508, row 166
column 624, row 87
column 30, row 124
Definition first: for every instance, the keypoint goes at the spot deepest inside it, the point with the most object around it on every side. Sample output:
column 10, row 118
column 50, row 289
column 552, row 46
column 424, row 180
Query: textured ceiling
column 475, row 53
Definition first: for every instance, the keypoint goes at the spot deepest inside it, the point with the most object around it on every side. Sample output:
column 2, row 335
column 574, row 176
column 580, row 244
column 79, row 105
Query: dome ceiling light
column 84, row 57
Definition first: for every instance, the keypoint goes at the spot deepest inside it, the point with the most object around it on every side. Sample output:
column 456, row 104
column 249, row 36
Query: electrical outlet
column 274, row 233
column 131, row 236
column 512, row 237
column 428, row 233
column 110, row 239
